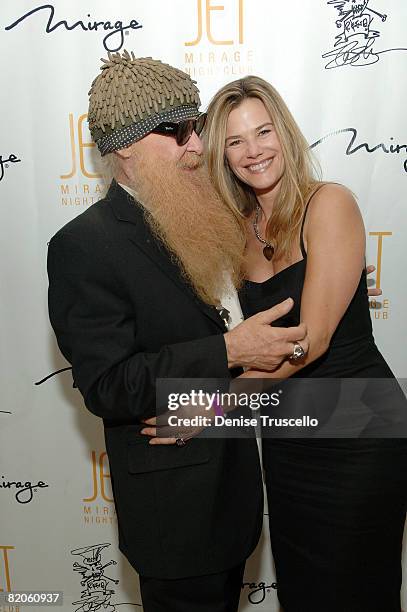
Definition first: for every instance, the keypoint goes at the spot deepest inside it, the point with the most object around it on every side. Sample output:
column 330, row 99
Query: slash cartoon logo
column 354, row 45
column 97, row 592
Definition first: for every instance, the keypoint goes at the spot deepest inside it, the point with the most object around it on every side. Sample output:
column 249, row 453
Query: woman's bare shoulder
column 332, row 199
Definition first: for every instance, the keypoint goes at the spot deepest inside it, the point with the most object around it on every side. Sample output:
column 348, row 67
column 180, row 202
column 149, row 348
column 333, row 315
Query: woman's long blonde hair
column 298, row 180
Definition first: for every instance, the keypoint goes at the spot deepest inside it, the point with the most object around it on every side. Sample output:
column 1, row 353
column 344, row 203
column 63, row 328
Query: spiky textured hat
column 133, row 95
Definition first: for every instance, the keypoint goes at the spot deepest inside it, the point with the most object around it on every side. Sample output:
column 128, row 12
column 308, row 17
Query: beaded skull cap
column 132, row 96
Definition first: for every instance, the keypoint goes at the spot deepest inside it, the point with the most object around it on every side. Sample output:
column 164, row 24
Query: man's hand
column 255, row 344
column 151, row 431
column 372, row 291
column 161, row 432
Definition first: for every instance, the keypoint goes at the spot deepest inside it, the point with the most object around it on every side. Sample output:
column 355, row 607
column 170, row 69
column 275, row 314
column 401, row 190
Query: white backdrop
column 351, row 102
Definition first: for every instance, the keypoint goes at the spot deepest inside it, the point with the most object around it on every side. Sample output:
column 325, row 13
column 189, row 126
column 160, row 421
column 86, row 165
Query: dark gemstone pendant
column 268, row 252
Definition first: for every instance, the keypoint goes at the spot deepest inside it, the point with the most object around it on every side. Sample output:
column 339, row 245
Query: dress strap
column 317, row 188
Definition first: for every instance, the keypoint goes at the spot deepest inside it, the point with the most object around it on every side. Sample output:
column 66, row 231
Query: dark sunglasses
column 183, row 129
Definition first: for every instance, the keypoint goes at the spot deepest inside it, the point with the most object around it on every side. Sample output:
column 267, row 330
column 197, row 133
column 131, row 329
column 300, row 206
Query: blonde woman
column 337, row 507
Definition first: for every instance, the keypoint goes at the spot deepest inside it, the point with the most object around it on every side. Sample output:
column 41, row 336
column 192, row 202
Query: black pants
column 213, row 593
column 337, row 512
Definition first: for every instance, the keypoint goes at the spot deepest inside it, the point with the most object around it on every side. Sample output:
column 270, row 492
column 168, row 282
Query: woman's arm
column 334, row 239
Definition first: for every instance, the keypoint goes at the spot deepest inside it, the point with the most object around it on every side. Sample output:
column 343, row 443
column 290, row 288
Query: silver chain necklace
column 268, row 250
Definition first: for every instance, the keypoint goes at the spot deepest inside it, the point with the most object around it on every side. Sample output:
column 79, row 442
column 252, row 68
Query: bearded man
column 137, row 286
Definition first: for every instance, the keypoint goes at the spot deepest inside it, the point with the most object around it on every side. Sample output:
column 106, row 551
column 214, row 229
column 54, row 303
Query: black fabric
column 352, row 351
column 213, row 593
column 337, row 510
column 337, row 507
column 123, row 316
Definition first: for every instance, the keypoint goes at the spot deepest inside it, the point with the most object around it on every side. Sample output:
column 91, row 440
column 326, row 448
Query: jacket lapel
column 127, row 210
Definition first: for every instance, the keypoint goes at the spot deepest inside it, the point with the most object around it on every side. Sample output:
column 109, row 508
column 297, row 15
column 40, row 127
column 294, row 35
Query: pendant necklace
column 268, row 249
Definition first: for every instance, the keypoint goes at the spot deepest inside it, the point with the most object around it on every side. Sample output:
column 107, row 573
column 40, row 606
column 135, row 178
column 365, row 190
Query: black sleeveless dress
column 337, row 507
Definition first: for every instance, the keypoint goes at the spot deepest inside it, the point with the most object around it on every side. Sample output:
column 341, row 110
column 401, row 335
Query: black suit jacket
column 123, row 316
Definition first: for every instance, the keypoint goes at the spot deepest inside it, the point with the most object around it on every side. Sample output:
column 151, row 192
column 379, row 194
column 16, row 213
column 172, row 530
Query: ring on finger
column 180, row 441
column 298, row 352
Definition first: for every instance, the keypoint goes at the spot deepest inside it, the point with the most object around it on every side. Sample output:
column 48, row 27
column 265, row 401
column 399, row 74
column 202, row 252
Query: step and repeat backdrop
column 341, row 67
